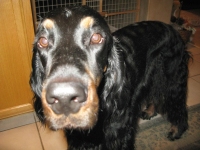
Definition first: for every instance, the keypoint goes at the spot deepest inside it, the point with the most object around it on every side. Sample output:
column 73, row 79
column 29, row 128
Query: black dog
column 92, row 83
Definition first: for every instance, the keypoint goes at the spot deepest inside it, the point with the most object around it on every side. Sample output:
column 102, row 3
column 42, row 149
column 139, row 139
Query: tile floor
column 24, row 132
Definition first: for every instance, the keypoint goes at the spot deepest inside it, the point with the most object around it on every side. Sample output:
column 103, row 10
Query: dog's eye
column 43, row 42
column 96, row 38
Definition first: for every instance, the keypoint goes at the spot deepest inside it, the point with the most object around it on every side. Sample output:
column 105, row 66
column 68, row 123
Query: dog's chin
column 72, row 122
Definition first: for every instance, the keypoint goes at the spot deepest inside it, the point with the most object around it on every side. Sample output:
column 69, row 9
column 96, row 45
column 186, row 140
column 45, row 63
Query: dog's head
column 69, row 57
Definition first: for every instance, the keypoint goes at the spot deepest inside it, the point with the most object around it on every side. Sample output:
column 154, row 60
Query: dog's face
column 70, row 50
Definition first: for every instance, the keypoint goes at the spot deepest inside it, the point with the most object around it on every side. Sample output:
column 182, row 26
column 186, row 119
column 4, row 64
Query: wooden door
column 16, row 37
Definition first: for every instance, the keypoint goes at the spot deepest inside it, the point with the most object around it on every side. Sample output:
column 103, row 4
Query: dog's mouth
column 70, row 104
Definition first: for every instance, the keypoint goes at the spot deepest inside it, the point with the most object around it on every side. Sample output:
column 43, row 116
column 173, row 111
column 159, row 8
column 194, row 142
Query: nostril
column 52, row 100
column 78, row 99
column 75, row 99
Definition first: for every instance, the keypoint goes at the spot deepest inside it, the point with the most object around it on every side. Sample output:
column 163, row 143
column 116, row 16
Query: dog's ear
column 115, row 83
column 36, row 79
column 39, row 109
column 37, row 73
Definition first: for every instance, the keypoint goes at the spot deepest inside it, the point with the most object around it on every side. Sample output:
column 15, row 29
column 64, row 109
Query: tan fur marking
column 174, row 129
column 96, row 80
column 90, row 74
column 150, row 110
column 105, row 68
column 87, row 22
column 48, row 23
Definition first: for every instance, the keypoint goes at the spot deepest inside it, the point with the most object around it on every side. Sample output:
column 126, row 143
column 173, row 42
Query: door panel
column 16, row 39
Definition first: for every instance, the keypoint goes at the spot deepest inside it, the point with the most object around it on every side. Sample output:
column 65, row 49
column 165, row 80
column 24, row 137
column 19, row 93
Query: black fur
column 145, row 62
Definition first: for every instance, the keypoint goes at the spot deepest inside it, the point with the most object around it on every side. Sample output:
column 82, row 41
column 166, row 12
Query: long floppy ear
column 115, row 89
column 36, row 79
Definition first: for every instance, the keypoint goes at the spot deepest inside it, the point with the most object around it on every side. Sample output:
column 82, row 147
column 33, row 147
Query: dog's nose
column 66, row 97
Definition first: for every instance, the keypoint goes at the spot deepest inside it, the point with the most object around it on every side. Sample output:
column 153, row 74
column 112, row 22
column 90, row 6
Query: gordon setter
column 92, row 83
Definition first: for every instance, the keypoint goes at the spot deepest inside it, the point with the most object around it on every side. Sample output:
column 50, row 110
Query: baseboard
column 17, row 110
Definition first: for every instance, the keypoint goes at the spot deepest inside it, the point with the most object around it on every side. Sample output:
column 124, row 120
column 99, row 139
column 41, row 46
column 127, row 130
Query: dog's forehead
column 69, row 17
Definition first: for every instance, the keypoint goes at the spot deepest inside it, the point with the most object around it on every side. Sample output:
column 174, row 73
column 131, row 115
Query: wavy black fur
column 148, row 62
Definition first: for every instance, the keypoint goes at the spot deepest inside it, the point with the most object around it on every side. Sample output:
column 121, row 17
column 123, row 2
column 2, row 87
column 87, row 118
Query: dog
column 92, row 83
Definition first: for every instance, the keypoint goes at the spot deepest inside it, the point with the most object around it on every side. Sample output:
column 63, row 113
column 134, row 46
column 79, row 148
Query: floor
column 24, row 132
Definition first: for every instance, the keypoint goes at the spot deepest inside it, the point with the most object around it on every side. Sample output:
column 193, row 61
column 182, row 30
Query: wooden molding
column 17, row 110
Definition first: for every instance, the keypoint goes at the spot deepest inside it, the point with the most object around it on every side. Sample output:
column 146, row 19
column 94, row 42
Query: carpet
column 196, row 38
column 152, row 134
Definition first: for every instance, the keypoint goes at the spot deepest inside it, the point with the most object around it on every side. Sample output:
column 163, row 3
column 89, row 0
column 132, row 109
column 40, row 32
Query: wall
column 159, row 10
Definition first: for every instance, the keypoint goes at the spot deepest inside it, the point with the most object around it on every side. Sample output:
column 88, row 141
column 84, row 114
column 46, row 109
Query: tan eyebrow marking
column 48, row 23
column 87, row 22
